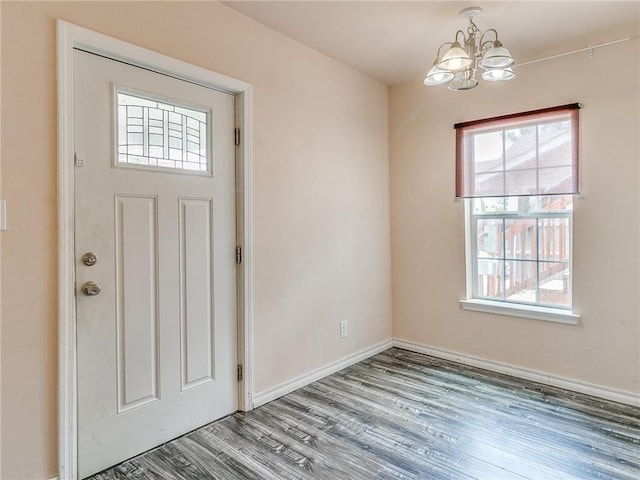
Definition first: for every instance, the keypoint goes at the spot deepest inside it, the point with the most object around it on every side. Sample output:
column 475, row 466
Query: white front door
column 155, row 235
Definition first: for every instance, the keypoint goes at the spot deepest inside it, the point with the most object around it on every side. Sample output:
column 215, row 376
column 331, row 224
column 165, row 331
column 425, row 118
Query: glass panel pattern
column 156, row 134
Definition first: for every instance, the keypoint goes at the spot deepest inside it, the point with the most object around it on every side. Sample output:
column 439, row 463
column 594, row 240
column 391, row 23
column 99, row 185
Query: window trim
column 473, row 226
column 535, row 312
column 521, row 310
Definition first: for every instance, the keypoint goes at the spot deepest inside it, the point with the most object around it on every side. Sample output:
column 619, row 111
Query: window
column 522, row 252
column 518, row 174
column 161, row 135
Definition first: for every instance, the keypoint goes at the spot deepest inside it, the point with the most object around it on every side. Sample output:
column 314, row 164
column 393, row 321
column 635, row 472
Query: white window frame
column 508, row 307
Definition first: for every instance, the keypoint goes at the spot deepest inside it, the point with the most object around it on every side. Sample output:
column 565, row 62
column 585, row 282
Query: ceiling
column 396, row 41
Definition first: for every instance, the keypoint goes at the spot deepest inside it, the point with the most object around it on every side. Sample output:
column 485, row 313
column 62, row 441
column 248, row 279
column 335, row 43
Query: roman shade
column 530, row 153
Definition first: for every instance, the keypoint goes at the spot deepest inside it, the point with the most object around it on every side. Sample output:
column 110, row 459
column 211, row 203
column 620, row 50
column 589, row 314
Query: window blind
column 530, row 153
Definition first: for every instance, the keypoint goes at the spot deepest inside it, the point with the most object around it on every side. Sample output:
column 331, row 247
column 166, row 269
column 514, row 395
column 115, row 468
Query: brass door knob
column 91, row 289
column 89, row 259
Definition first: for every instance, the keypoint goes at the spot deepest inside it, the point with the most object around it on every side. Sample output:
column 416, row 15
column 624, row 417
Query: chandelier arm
column 438, row 57
column 483, row 45
column 463, row 36
column 487, row 31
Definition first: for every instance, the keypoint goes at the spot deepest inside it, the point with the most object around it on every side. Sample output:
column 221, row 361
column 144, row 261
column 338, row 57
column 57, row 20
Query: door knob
column 89, row 259
column 91, row 289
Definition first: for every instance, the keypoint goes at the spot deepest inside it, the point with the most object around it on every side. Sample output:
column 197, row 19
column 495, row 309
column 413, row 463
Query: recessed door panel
column 136, row 236
column 196, row 291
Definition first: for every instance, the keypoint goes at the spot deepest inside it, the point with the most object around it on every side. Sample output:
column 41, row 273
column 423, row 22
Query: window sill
column 526, row 311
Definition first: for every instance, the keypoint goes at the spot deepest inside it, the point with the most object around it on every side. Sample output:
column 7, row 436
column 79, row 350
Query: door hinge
column 240, row 373
column 238, row 255
column 236, row 136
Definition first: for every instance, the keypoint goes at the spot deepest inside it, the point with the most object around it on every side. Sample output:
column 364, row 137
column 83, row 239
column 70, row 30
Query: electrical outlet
column 344, row 328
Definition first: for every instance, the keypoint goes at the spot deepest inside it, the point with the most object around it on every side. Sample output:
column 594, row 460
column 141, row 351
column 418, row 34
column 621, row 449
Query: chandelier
column 458, row 66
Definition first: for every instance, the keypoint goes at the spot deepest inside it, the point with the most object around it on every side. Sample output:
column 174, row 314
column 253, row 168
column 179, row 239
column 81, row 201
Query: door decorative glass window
column 152, row 133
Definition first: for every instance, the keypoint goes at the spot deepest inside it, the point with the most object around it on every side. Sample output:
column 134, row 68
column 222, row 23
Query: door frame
column 69, row 37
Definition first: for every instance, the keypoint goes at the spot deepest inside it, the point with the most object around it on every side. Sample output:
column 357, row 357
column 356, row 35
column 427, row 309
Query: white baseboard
column 300, row 381
column 621, row 396
column 54, row 478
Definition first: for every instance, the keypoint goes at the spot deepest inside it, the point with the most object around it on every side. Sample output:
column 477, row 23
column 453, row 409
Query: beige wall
column 321, row 208
column 428, row 225
column 321, row 199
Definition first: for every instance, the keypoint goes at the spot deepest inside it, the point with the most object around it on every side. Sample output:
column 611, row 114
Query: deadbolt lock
column 91, row 289
column 89, row 259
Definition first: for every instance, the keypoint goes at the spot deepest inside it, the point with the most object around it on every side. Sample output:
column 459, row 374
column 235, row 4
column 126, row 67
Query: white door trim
column 72, row 36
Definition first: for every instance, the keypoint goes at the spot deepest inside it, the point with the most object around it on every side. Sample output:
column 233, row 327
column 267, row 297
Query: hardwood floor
column 401, row 415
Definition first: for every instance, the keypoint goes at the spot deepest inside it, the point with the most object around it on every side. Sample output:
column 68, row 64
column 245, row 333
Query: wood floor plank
column 405, row 416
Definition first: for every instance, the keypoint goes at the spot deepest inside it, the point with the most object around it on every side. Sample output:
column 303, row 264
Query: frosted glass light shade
column 437, row 76
column 462, row 82
column 497, row 57
column 455, row 59
column 498, row 74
